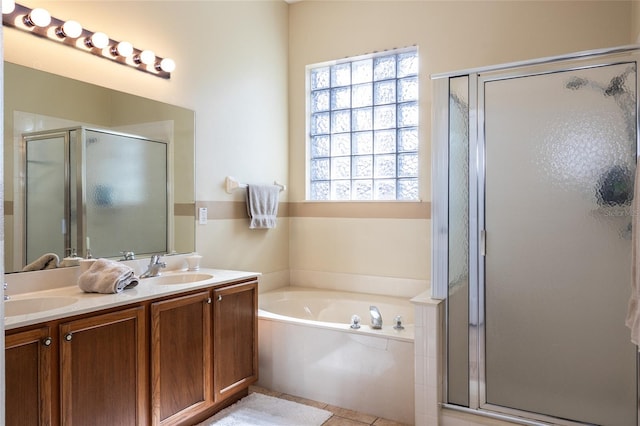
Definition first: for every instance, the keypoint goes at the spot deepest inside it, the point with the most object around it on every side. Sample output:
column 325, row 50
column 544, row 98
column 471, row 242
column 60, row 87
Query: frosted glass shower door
column 560, row 152
column 46, row 197
column 126, row 205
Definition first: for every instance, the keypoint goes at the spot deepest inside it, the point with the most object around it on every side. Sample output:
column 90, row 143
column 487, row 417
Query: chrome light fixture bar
column 39, row 22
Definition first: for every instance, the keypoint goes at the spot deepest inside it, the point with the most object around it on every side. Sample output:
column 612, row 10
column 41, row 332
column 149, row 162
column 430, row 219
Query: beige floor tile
column 385, row 422
column 341, row 416
column 304, row 401
column 265, row 391
column 341, row 421
column 350, row 414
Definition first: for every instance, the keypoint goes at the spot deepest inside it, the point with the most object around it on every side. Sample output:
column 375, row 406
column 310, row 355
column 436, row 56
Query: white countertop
column 91, row 302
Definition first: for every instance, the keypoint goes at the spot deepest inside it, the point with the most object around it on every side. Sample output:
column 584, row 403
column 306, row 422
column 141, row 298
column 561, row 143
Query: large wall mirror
column 36, row 101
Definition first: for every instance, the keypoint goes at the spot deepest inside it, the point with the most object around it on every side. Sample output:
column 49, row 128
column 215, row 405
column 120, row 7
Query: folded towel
column 107, row 276
column 262, row 205
column 46, row 261
column 633, row 310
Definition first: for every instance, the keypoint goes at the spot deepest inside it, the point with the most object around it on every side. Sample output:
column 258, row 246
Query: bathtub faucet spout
column 376, row 318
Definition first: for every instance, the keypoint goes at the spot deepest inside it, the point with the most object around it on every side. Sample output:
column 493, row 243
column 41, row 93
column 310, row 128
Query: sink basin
column 178, row 279
column 35, row 304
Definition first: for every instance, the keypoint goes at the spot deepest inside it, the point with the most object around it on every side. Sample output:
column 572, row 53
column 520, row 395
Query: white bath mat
column 262, row 410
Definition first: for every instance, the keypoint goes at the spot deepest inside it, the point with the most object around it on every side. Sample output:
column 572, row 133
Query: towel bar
column 232, row 183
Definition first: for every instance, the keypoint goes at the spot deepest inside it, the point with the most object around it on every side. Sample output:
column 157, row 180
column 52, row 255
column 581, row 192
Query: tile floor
column 341, row 416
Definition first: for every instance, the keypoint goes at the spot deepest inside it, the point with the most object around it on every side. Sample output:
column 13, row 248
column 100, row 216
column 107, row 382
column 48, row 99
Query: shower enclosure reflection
column 120, row 206
column 38, row 101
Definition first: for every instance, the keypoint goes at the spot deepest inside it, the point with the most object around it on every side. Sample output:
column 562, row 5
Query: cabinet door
column 181, row 366
column 103, row 370
column 235, row 334
column 28, row 378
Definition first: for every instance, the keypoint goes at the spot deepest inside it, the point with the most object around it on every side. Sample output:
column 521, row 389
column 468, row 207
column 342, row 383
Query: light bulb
column 166, row 65
column 123, row 48
column 71, row 29
column 147, row 57
column 98, row 40
column 37, row 17
column 8, row 6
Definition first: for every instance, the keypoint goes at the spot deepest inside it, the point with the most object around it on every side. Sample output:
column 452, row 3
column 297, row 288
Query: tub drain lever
column 355, row 322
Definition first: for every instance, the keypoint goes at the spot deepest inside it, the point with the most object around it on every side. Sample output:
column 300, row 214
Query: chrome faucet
column 376, row 318
column 4, row 287
column 153, row 270
column 128, row 255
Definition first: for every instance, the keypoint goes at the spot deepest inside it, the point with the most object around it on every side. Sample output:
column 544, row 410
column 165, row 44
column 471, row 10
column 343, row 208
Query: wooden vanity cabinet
column 28, row 377
column 103, row 369
column 181, row 365
column 170, row 361
column 235, row 338
column 203, row 353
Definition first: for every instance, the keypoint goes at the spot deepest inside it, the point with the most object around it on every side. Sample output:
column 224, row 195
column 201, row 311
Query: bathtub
column 308, row 349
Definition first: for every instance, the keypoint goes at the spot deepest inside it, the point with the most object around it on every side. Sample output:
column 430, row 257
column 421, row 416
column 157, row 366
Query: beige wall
column 231, row 69
column 450, row 35
column 241, row 67
column 635, row 22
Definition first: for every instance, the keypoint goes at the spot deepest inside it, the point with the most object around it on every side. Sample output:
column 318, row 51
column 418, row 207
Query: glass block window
column 363, row 128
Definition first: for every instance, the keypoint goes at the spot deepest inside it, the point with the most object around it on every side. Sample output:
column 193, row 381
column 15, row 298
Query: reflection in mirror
column 36, row 101
column 121, row 203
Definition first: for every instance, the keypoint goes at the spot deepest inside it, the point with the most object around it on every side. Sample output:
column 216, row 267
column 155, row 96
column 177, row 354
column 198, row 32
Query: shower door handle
column 483, row 243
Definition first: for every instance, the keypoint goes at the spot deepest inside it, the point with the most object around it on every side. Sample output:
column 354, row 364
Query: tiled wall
column 428, row 360
column 359, row 283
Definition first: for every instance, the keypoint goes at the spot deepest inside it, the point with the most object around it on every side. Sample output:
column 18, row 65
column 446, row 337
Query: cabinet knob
column 208, row 300
column 68, row 337
column 219, row 298
column 47, row 341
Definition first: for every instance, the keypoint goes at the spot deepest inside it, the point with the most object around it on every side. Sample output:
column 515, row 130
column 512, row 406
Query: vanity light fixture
column 39, row 21
column 146, row 57
column 8, row 6
column 71, row 29
column 167, row 65
column 98, row 40
column 124, row 49
column 38, row 17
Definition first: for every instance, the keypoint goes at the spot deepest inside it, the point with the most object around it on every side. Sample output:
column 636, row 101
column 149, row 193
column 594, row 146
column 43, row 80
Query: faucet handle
column 128, row 255
column 355, row 322
column 398, row 322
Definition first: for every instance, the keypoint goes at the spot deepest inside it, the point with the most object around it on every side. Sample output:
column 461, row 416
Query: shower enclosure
column 93, row 190
column 533, row 182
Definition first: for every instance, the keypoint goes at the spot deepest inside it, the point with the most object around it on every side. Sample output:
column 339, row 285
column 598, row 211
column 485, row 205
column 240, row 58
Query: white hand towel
column 46, row 261
column 633, row 311
column 262, row 205
column 107, row 276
